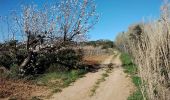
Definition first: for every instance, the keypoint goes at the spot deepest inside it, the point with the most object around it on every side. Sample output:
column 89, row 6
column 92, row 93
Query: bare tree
column 66, row 21
column 52, row 26
column 76, row 17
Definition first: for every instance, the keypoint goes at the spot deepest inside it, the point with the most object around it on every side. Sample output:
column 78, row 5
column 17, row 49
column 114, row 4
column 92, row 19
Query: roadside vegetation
column 58, row 80
column 148, row 45
column 131, row 69
column 105, row 44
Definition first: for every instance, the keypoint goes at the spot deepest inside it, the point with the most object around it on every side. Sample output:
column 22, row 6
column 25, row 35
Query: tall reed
column 151, row 52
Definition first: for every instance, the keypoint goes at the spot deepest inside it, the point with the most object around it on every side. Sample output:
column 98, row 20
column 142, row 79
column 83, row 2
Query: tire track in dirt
column 117, row 85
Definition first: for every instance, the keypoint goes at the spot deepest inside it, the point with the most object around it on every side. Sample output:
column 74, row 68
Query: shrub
column 56, row 67
column 61, row 60
column 20, row 56
column 70, row 58
column 45, row 61
column 105, row 44
column 14, row 71
column 6, row 60
column 38, row 64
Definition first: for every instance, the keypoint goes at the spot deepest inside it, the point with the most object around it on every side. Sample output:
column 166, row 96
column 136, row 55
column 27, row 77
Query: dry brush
column 149, row 44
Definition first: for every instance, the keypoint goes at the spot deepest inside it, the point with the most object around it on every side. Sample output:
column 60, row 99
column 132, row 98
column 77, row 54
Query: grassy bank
column 132, row 70
column 58, row 80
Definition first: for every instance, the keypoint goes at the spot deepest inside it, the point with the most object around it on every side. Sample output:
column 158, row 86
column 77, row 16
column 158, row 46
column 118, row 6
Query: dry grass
column 21, row 90
column 95, row 59
column 151, row 52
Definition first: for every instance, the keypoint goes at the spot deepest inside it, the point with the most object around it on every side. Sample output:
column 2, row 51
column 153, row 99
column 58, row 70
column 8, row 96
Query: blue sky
column 116, row 15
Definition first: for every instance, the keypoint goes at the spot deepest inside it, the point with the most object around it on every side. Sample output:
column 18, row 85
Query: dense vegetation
column 148, row 44
column 40, row 62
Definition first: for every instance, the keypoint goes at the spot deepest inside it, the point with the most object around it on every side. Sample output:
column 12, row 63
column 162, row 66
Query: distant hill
column 103, row 43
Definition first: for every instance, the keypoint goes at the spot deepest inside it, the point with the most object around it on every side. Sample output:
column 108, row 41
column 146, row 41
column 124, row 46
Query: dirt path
column 116, row 87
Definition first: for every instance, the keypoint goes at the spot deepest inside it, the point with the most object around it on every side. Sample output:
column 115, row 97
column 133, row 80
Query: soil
column 117, row 86
column 21, row 90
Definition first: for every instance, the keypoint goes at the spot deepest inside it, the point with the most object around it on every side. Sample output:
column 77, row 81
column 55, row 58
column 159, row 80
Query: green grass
column 132, row 70
column 126, row 59
column 136, row 80
column 136, row 96
column 58, row 80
